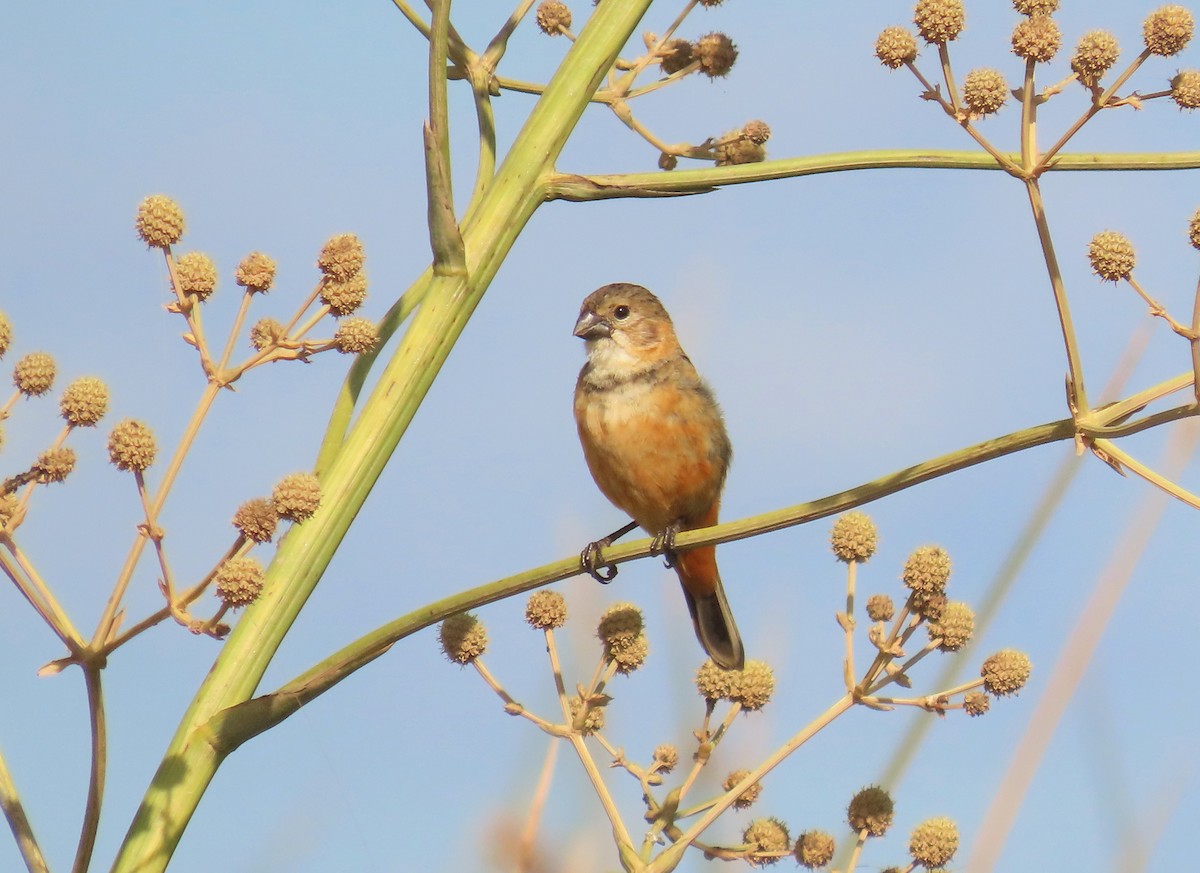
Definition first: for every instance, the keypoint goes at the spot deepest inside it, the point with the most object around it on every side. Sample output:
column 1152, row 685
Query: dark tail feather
column 715, row 629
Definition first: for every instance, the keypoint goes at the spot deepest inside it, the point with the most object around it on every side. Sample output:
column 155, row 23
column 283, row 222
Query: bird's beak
column 591, row 326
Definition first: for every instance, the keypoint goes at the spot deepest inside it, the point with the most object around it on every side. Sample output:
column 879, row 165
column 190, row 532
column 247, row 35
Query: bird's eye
column 621, row 312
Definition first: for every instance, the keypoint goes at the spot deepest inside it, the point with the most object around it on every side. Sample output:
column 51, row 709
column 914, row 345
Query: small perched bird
column 655, row 443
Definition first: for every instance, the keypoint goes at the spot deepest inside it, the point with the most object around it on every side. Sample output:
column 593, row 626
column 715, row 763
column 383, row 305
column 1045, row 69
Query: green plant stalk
column 196, row 751
column 18, row 823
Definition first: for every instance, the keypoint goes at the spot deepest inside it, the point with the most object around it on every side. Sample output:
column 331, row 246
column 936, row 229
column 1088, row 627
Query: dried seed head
column 1037, row 38
column 1194, row 229
column 895, row 47
column 764, row 837
column 939, row 21
column 54, row 465
column 239, row 581
column 871, row 809
column 933, row 842
column 1035, row 7
column 344, row 296
column 1167, row 30
column 84, row 401
column 747, row 797
column 675, row 55
column 737, row 149
column 197, row 275
column 159, row 221
column 756, row 131
column 620, row 625
column 463, row 638
column 1094, row 56
column 34, row 374
column 1112, row 256
column 976, row 703
column 709, row 3
column 297, row 496
column 716, row 54
column 984, row 91
column 752, row 686
column 1005, row 672
column 131, row 445
column 8, row 508
column 954, row 627
column 667, row 161
column 814, row 849
column 265, row 333
column 356, row 336
column 592, row 722
column 629, row 657
column 665, row 757
column 1185, row 89
column 341, row 257
column 5, row 333
column 256, row 272
column 854, row 537
column 927, row 570
column 256, row 520
column 714, row 683
column 553, row 17
column 546, row 609
column 880, row 608
column 928, row 606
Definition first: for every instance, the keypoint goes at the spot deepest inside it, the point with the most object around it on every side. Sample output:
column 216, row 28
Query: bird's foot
column 589, row 559
column 664, row 544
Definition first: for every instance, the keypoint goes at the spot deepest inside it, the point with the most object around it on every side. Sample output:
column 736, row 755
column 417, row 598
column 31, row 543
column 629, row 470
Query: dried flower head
column 954, row 626
column 763, row 838
column 553, row 17
column 854, row 537
column 1194, row 229
column 735, row 148
column 356, row 336
column 927, row 570
column 463, row 638
column 629, row 657
column 297, row 496
column 984, row 91
column 880, row 608
column 256, row 520
column 545, row 610
column 814, row 849
column 667, row 161
column 239, row 581
column 54, row 465
column 1005, row 672
column 592, row 722
column 752, row 686
column 871, row 809
column 256, row 272
column 939, row 21
column 1167, row 30
column 341, row 257
column 159, row 221
column 1185, row 89
column 747, row 797
column 675, row 55
column 976, row 703
column 716, row 54
column 34, row 374
column 621, row 629
column 197, row 275
column 1037, row 38
column 757, row 132
column 895, row 47
column 84, row 401
column 665, row 757
column 714, row 683
column 1035, row 7
column 5, row 333
column 1112, row 256
column 131, row 445
column 1094, row 56
column 344, row 296
column 933, row 842
column 265, row 333
column 9, row 504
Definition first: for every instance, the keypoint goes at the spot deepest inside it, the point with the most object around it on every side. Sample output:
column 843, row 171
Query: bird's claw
column 589, row 559
column 664, row 544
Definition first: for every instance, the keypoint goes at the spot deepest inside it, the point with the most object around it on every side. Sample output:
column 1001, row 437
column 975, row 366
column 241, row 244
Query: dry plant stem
column 1002, row 160
column 1164, row 483
column 234, row 332
column 18, row 823
column 527, row 842
column 1078, row 650
column 155, row 534
column 860, row 840
column 1028, row 121
column 948, row 76
column 846, row 620
column 9, row 404
column 311, row 322
column 620, row 834
column 1098, row 104
column 499, row 44
column 669, row 858
column 23, row 574
column 884, row 681
column 99, row 758
column 1159, row 311
column 624, row 85
column 1195, row 344
column 191, row 314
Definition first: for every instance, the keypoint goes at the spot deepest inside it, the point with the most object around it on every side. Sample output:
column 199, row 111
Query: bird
column 655, row 443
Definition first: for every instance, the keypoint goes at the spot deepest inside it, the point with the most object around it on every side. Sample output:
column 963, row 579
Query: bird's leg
column 664, row 543
column 589, row 558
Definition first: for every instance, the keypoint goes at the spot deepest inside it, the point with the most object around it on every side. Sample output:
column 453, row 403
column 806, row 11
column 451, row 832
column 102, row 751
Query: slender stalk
column 18, row 823
column 99, row 759
column 1164, row 483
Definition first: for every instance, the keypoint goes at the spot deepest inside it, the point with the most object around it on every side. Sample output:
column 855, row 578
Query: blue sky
column 851, row 324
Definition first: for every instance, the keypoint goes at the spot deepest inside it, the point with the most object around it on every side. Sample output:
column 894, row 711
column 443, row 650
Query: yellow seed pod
column 976, row 703
column 463, row 638
column 592, row 722
column 675, row 55
column 546, row 609
column 927, row 570
column 1185, row 89
column 766, row 836
column 54, row 465
column 871, row 809
column 1167, row 30
column 954, row 627
column 1035, row 7
column 256, row 519
column 1005, row 672
column 716, row 54
column 356, row 336
column 753, row 685
column 934, row 842
column 265, row 333
column 256, row 272
column 895, row 47
column 344, row 296
column 984, row 91
column 1095, row 53
column 297, row 496
column 939, row 21
column 665, row 756
column 1037, row 38
column 5, row 333
column 34, row 374
column 159, row 221
column 814, row 849
column 84, row 401
column 131, row 445
column 1194, row 229
column 1112, row 256
column 197, row 275
column 746, row 798
column 341, row 257
column 854, row 537
column 553, row 17
column 880, row 607
column 239, row 581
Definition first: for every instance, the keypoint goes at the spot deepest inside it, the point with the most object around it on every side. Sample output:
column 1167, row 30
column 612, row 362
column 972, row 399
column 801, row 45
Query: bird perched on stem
column 655, row 443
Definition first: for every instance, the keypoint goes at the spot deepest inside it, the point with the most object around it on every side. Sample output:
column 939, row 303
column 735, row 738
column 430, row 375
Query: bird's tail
column 711, row 615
